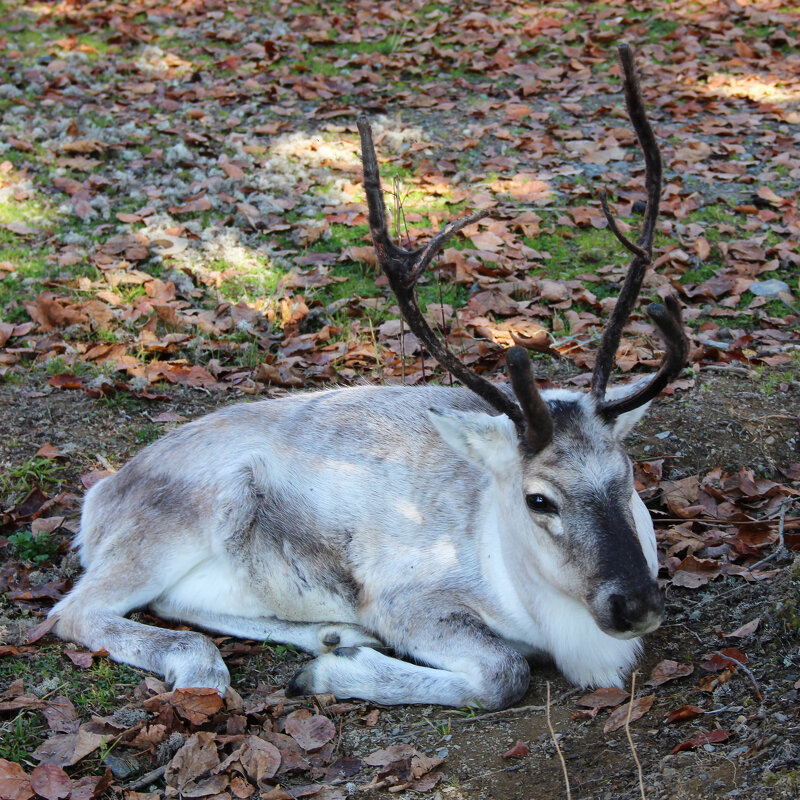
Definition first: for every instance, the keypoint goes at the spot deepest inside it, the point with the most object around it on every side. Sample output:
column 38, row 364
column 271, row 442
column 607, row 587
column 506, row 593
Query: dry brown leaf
column 683, row 713
column 84, row 146
column 748, row 629
column 89, row 479
column 604, row 698
column 724, row 659
column 91, row 786
column 15, row 783
column 196, row 759
column 702, row 248
column 196, row 705
column 50, row 781
column 486, row 240
column 49, row 451
column 61, row 715
column 694, row 572
column 519, row 750
column 617, row 718
column 261, row 760
column 44, row 627
column 388, row 755
column 169, row 416
column 310, row 732
column 668, row 670
column 712, row 737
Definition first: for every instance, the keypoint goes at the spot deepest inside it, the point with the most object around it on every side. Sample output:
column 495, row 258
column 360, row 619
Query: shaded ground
column 759, row 760
column 181, row 215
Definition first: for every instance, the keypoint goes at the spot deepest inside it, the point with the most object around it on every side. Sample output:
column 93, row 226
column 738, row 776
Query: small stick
column 781, row 543
column 147, row 779
column 555, row 742
column 630, row 738
column 497, row 714
column 717, row 522
column 744, row 669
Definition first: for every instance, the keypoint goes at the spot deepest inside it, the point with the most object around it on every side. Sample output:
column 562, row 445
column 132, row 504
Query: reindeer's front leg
column 468, row 665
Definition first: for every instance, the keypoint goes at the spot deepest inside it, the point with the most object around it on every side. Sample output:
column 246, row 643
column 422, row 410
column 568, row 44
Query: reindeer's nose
column 638, row 612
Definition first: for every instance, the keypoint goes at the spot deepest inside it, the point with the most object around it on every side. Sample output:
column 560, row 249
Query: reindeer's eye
column 540, row 504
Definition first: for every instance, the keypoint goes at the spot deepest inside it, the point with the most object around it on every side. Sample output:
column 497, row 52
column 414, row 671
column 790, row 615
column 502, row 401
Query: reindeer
column 421, row 542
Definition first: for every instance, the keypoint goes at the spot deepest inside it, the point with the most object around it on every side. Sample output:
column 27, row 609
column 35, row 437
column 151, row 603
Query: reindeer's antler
column 404, row 267
column 532, row 417
column 667, row 319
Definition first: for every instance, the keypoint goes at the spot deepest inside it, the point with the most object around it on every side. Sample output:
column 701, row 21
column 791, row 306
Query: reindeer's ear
column 624, row 423
column 490, row 441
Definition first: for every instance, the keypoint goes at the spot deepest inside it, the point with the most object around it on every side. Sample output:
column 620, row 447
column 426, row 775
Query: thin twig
column 498, row 714
column 718, row 522
column 630, row 738
column 744, row 669
column 787, row 303
column 147, row 779
column 781, row 542
column 491, row 716
column 555, row 742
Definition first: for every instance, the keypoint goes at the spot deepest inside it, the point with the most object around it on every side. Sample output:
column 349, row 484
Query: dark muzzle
column 636, row 612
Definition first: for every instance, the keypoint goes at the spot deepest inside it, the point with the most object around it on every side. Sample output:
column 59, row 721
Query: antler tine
column 643, row 248
column 667, row 318
column 539, row 427
column 403, row 268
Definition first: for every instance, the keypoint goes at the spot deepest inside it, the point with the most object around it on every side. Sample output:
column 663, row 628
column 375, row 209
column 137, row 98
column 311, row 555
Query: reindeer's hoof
column 333, row 637
column 301, row 683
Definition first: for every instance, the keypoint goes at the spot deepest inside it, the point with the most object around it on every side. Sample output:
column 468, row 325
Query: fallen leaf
column 61, row 715
column 196, row 759
column 15, row 783
column 730, row 657
column 196, row 705
column 519, row 750
column 618, row 717
column 748, row 629
column 169, row 416
column 50, row 781
column 604, row 698
column 668, row 670
column 694, row 572
column 83, row 658
column 310, row 732
column 89, row 479
column 712, row 737
column 91, row 786
column 683, row 713
column 21, row 228
column 44, row 627
column 261, row 760
column 83, row 146
column 395, row 752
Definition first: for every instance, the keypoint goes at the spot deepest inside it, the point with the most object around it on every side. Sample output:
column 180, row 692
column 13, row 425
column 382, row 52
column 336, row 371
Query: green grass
column 21, row 735
column 144, row 433
column 36, row 471
column 100, row 690
column 36, row 549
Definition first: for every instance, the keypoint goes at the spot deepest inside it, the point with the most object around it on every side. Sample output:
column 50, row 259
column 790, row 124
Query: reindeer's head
column 567, row 508
column 565, row 483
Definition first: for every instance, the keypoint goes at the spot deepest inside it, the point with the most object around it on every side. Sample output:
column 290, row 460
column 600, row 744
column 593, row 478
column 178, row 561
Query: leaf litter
column 186, row 240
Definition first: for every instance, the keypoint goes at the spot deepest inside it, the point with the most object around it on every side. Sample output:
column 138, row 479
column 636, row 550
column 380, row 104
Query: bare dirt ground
column 725, row 420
